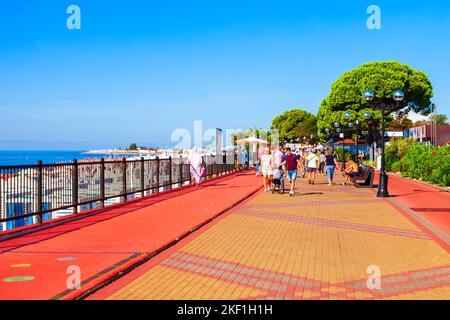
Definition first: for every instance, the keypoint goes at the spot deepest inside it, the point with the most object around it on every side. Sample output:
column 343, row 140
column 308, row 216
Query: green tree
column 440, row 119
column 382, row 78
column 401, row 123
column 421, row 123
column 295, row 124
column 133, row 146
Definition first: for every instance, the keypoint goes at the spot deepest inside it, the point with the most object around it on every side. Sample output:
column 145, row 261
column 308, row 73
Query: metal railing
column 31, row 194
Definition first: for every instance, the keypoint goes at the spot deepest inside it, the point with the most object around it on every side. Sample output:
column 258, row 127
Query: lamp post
column 338, row 130
column 398, row 97
column 355, row 126
column 347, row 117
column 368, row 117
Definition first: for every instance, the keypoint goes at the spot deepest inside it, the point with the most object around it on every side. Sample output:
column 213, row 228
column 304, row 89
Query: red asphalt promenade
column 38, row 265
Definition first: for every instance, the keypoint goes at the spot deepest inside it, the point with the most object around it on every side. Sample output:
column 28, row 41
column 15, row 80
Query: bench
column 364, row 179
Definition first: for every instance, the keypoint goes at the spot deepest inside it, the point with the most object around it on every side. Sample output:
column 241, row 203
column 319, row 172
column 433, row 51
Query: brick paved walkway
column 316, row 245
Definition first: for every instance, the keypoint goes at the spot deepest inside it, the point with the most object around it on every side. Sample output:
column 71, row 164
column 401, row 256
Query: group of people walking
column 281, row 159
column 303, row 163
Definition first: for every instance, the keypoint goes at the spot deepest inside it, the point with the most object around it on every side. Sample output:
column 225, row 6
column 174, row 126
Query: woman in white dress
column 196, row 161
column 266, row 168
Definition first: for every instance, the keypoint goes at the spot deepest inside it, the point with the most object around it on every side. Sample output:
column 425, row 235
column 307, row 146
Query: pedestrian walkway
column 324, row 243
column 426, row 202
column 39, row 265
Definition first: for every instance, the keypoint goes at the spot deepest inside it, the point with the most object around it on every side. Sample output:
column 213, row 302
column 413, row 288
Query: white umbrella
column 251, row 140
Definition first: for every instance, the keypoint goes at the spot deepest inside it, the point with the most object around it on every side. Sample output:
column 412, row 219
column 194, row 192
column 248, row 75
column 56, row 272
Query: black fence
column 31, row 194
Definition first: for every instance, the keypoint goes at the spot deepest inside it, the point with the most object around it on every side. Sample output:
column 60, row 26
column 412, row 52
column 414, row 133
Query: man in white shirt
column 312, row 163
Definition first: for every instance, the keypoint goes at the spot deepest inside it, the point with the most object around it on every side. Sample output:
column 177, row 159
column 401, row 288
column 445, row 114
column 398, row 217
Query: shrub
column 419, row 161
column 372, row 164
column 441, row 161
column 396, row 166
column 395, row 151
column 427, row 163
column 340, row 152
column 348, row 156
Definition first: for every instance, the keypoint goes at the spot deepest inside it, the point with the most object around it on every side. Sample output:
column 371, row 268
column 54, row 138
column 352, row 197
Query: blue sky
column 137, row 70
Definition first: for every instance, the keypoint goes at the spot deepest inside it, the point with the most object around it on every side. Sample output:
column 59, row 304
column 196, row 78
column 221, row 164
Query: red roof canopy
column 348, row 142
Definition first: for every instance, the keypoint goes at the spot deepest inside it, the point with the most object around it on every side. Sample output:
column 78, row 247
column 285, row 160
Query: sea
column 26, row 157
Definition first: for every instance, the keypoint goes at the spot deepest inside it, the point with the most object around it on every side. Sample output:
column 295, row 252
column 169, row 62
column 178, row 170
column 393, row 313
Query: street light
column 347, row 116
column 368, row 116
column 355, row 126
column 332, row 133
column 338, row 130
column 398, row 96
column 368, row 95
